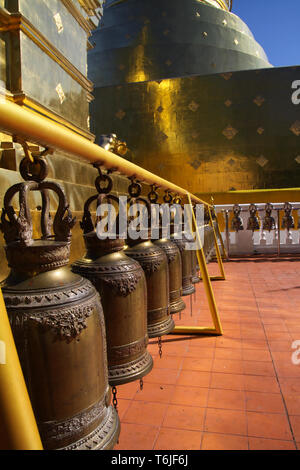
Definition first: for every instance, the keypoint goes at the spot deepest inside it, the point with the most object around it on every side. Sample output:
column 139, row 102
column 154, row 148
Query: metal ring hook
column 168, row 198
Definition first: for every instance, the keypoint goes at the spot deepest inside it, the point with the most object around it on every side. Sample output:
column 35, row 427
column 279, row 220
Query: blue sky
column 275, row 24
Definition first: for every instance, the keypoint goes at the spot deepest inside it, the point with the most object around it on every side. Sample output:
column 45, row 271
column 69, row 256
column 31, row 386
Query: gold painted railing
column 18, row 429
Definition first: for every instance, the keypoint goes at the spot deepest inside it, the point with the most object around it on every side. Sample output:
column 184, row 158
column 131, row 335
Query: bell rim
column 109, row 429
column 131, row 376
column 188, row 290
column 162, row 328
column 177, row 306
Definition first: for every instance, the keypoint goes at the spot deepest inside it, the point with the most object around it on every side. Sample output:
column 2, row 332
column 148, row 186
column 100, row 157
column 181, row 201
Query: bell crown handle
column 19, row 228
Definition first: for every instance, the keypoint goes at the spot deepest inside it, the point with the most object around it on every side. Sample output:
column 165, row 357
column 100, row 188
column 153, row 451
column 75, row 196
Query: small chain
column 160, row 346
column 115, row 401
column 141, row 384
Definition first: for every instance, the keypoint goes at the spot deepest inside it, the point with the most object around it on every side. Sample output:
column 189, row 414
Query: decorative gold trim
column 90, row 5
column 89, row 45
column 20, row 23
column 223, row 4
column 85, row 24
column 4, row 16
column 28, row 102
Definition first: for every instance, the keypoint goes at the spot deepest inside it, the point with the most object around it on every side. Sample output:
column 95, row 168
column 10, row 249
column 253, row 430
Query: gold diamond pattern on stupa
column 193, row 106
column 260, row 130
column 298, row 159
column 259, row 100
column 160, row 109
column 295, row 128
column 195, row 163
column 204, row 34
column 162, row 136
column 228, row 103
column 262, row 161
column 120, row 114
column 230, row 132
column 236, row 42
column 226, row 76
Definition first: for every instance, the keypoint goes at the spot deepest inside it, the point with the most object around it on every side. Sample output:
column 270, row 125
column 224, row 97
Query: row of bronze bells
column 268, row 221
column 80, row 331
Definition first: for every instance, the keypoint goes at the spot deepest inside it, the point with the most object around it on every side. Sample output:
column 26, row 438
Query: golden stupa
column 194, row 96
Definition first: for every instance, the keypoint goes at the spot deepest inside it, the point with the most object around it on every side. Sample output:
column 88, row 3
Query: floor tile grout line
column 258, row 436
column 276, row 375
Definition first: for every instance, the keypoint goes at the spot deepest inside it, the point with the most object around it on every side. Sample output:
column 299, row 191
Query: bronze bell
column 269, row 221
column 209, row 243
column 253, row 223
column 155, row 265
column 180, row 239
column 237, row 223
column 195, row 277
column 206, row 216
column 174, row 264
column 287, row 219
column 57, row 322
column 121, row 284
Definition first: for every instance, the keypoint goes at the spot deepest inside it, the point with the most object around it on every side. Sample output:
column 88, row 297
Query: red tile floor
column 233, row 392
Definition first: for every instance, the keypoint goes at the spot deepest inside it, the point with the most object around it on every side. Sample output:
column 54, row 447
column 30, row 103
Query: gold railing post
column 17, row 422
column 219, row 235
column 222, row 276
column 217, row 330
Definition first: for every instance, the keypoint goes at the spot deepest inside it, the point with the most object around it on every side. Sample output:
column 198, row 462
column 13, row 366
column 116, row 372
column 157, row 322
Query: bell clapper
column 159, row 346
column 115, row 400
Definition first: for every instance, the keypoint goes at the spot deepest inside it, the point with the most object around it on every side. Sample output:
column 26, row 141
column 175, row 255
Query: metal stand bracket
column 202, row 330
column 222, row 276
